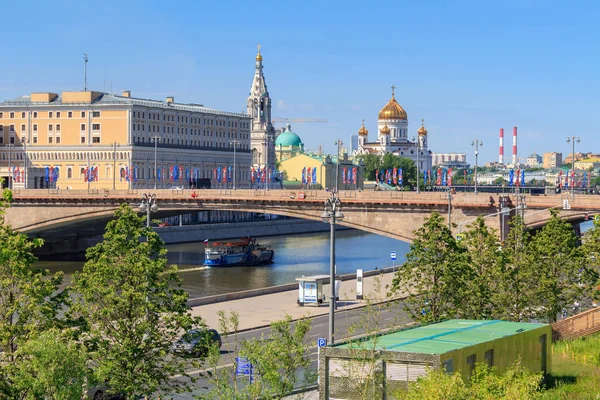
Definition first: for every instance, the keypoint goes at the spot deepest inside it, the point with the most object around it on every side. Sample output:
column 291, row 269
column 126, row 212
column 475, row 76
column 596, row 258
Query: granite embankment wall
column 199, row 301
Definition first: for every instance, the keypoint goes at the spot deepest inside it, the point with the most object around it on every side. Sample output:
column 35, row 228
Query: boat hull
column 251, row 254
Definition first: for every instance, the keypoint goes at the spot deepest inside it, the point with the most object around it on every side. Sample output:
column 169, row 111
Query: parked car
column 176, row 188
column 197, row 342
column 100, row 393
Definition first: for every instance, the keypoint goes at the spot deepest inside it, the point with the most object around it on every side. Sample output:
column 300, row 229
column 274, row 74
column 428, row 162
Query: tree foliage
column 51, row 366
column 374, row 163
column 432, row 272
column 134, row 308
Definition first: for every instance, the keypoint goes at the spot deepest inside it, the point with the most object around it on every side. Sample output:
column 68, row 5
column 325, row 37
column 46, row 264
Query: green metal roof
column 445, row 336
column 288, row 138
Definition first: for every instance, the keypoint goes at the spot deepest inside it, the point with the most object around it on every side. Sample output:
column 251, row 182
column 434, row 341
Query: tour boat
column 243, row 252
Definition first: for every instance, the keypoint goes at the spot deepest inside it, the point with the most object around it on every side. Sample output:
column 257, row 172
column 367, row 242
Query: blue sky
column 467, row 67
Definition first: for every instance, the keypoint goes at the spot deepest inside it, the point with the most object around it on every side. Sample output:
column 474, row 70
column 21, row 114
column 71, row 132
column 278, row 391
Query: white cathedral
column 393, row 137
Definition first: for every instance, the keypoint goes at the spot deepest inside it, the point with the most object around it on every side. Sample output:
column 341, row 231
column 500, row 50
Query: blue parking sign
column 243, row 366
column 321, row 342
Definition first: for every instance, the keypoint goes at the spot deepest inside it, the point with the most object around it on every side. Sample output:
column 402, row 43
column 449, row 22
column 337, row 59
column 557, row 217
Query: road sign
column 321, row 342
column 566, row 205
column 243, row 366
column 460, row 236
column 393, row 255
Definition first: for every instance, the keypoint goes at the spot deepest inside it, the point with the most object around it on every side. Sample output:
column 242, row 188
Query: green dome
column 288, row 138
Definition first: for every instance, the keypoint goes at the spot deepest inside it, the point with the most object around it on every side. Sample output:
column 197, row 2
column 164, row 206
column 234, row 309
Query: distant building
column 585, row 165
column 288, row 144
column 534, row 160
column 454, row 160
column 578, row 157
column 552, row 160
column 353, row 143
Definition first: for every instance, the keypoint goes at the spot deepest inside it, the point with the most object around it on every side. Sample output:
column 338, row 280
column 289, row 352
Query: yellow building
column 586, row 164
column 326, row 171
column 552, row 160
column 119, row 142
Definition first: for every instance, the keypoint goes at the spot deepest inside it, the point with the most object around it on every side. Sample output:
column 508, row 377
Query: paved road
column 349, row 323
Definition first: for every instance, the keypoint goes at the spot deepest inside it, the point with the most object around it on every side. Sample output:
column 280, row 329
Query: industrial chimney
column 501, row 153
column 514, row 154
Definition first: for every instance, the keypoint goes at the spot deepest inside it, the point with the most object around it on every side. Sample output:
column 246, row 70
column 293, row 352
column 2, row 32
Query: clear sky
column 467, row 67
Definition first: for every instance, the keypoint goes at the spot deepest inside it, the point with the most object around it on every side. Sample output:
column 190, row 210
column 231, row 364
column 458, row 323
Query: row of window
column 145, row 173
column 51, row 114
column 196, row 143
column 191, row 120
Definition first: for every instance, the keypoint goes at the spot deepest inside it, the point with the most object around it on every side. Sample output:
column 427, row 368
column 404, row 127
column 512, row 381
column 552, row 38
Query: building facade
column 453, row 160
column 393, row 137
column 95, row 140
column 328, row 169
column 552, row 160
column 259, row 109
column 534, row 160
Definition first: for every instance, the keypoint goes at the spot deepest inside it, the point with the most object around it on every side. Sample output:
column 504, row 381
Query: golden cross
column 363, row 122
column 258, row 49
column 422, row 121
column 393, row 87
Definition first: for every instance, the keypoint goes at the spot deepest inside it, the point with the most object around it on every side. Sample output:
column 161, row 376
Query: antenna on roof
column 85, row 61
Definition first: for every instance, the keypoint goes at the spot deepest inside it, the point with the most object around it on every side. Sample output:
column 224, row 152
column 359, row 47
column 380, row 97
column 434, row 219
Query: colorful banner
column 511, row 177
column 314, row 174
column 424, row 177
column 354, row 175
column 400, row 176
column 395, row 176
column 219, row 174
column 522, row 177
column 449, row 176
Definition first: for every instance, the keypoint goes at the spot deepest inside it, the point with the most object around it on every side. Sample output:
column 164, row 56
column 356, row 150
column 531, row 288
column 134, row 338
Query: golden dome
column 422, row 131
column 392, row 109
column 363, row 131
column 385, row 130
column 258, row 56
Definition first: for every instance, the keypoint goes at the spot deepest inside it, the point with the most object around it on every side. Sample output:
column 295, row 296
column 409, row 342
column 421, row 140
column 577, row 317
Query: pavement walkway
column 260, row 311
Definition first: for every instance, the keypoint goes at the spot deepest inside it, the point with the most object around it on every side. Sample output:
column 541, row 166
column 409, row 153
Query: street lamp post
column 155, row 139
column 115, row 144
column 235, row 143
column 268, row 140
column 24, row 143
column 449, row 196
column 476, row 143
column 418, row 142
column 148, row 205
column 331, row 214
column 573, row 139
column 339, row 144
column 10, row 176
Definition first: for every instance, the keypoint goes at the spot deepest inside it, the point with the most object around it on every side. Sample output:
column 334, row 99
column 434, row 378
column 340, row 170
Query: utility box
column 310, row 290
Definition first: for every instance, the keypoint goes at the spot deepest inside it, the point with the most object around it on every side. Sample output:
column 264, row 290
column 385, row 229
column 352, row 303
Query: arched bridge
column 393, row 214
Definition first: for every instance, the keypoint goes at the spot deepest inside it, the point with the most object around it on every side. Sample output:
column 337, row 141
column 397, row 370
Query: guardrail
column 579, row 325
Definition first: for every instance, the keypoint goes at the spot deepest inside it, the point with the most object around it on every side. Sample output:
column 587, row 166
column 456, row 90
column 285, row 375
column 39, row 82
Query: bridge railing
column 579, row 325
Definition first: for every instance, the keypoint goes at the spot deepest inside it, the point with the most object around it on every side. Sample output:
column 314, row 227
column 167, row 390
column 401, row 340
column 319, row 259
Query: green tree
column 409, row 169
column 591, row 252
column 560, row 265
column 515, row 296
column 431, row 273
column 134, row 308
column 372, row 165
column 280, row 361
column 51, row 366
column 482, row 271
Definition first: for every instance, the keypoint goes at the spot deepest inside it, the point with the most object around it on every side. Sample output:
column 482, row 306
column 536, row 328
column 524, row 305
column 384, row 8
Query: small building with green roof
column 288, row 144
column 324, row 169
column 392, row 360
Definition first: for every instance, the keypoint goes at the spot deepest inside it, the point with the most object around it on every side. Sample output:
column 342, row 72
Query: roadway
column 351, row 323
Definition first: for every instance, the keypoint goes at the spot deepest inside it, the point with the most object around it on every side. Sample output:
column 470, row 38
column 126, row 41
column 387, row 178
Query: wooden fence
column 579, row 325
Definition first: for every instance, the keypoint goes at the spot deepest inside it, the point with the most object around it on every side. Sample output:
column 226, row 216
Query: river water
column 305, row 254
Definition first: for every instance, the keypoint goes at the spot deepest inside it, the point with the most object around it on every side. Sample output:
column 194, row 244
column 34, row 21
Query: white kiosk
column 310, row 290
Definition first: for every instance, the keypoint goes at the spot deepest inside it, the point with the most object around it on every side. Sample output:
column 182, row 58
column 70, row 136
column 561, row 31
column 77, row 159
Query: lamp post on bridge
column 234, row 142
column 155, row 139
column 476, row 143
column 339, row 144
column 24, row 143
column 331, row 214
column 573, row 139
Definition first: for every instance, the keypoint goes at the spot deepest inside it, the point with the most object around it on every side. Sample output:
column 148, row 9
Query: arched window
column 69, row 173
column 108, row 172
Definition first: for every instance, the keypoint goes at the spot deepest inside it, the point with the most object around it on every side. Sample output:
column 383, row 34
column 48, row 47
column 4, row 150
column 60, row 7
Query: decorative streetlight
column 24, row 143
column 148, row 205
column 339, row 144
column 569, row 140
column 115, row 145
column 155, row 139
column 234, row 142
column 10, row 175
column 332, row 214
column 418, row 143
column 268, row 140
column 476, row 143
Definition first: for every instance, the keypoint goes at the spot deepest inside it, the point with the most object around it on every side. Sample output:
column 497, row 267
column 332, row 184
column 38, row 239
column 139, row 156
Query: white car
column 176, row 188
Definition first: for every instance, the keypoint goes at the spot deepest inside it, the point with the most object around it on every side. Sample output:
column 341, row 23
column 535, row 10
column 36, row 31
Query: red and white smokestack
column 514, row 155
column 501, row 154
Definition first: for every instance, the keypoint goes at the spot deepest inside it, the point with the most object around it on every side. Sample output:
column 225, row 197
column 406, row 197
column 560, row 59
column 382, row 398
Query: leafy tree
column 482, row 271
column 591, row 252
column 560, row 265
column 515, row 296
column 409, row 168
column 277, row 360
column 372, row 165
column 134, row 308
column 29, row 301
column 431, row 272
column 51, row 366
